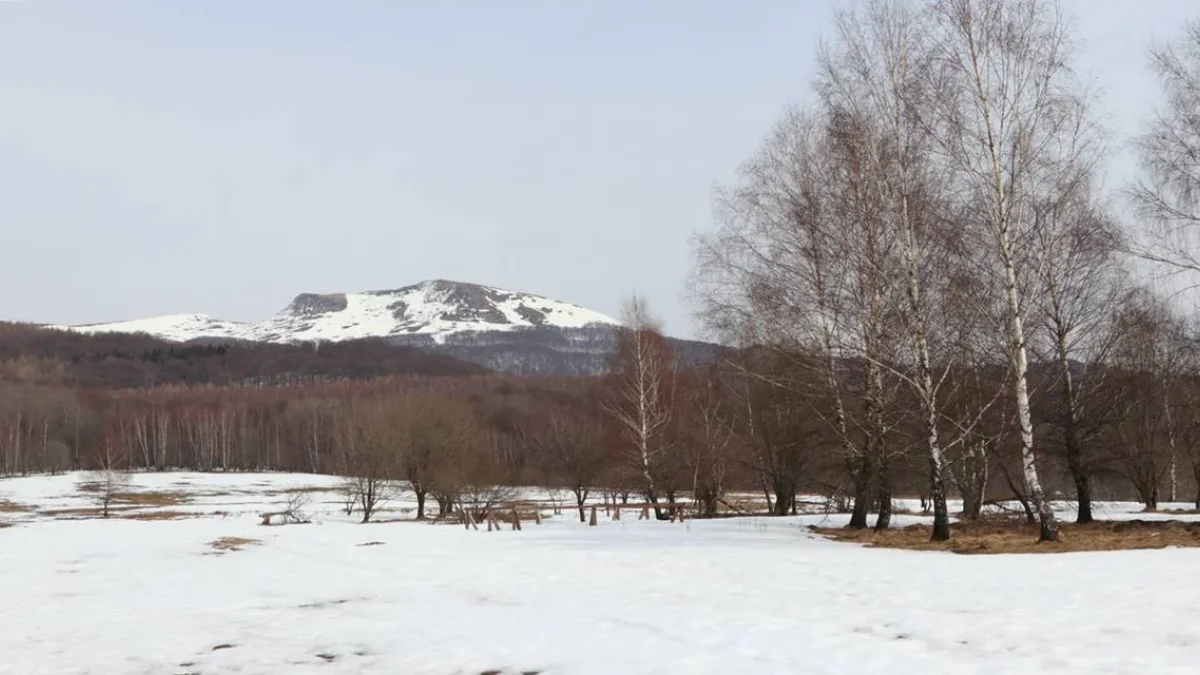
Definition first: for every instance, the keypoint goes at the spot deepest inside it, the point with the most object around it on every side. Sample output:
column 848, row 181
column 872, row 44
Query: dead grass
column 1009, row 536
column 162, row 515
column 12, row 507
column 225, row 544
column 86, row 512
column 310, row 488
column 150, row 498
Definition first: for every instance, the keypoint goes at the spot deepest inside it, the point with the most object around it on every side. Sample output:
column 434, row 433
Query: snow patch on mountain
column 173, row 327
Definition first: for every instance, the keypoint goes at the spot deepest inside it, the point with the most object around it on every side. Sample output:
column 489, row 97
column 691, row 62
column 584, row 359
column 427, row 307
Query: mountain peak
column 435, row 307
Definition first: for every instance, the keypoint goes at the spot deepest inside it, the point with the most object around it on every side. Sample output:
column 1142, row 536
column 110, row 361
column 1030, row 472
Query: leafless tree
column 706, row 432
column 879, row 71
column 1154, row 355
column 1168, row 194
column 1079, row 281
column 375, row 445
column 1013, row 127
column 570, row 441
column 801, row 264
column 643, row 393
column 110, row 475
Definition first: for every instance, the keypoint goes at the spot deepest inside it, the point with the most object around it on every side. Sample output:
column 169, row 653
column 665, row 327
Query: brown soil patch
column 11, row 507
column 232, row 543
column 1008, row 536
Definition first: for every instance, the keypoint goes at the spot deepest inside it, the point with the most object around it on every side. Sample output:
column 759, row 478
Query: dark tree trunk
column 1048, row 524
column 884, row 492
column 1071, row 443
column 420, row 504
column 1083, row 491
column 861, row 474
column 785, row 495
column 580, row 498
column 659, row 513
column 937, row 496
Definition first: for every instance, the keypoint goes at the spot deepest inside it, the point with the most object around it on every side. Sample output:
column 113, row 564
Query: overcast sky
column 222, row 156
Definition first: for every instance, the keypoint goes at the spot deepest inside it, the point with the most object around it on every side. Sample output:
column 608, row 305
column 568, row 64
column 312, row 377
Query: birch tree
column 642, row 394
column 801, row 265
column 877, row 71
column 1013, row 127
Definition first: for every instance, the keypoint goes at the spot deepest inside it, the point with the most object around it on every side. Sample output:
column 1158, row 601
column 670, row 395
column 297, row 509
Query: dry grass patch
column 150, row 498
column 1008, row 536
column 86, row 512
column 305, row 488
column 12, row 507
column 225, row 544
column 160, row 515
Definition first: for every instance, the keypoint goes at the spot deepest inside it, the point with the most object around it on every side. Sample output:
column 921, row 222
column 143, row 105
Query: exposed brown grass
column 225, row 544
column 12, row 507
column 150, row 498
column 85, row 511
column 1010, row 536
column 310, row 488
column 161, row 515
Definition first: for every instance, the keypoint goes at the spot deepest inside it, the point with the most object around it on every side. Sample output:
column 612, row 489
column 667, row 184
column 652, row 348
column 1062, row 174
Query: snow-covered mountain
column 437, row 309
column 508, row 331
column 431, row 310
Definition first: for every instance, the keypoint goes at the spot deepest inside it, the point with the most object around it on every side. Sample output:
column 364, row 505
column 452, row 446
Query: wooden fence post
column 592, row 521
column 516, row 519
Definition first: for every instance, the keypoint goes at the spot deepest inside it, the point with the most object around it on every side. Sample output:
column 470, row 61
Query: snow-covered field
column 747, row 595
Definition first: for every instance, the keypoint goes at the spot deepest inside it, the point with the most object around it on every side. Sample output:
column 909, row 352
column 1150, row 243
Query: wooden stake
column 592, row 521
column 616, row 512
column 516, row 521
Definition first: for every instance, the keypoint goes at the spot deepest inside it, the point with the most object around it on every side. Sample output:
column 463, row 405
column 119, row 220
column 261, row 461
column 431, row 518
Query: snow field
column 744, row 595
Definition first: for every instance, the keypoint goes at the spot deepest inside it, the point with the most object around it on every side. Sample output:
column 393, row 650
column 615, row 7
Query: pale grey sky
column 162, row 157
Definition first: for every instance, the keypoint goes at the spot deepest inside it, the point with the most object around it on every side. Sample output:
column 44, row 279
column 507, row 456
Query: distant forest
column 34, row 355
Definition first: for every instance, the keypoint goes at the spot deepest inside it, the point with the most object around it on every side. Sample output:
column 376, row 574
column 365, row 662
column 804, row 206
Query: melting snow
column 742, row 595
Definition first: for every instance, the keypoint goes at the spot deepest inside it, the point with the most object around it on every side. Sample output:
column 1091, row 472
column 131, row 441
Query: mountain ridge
column 436, row 308
column 511, row 332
